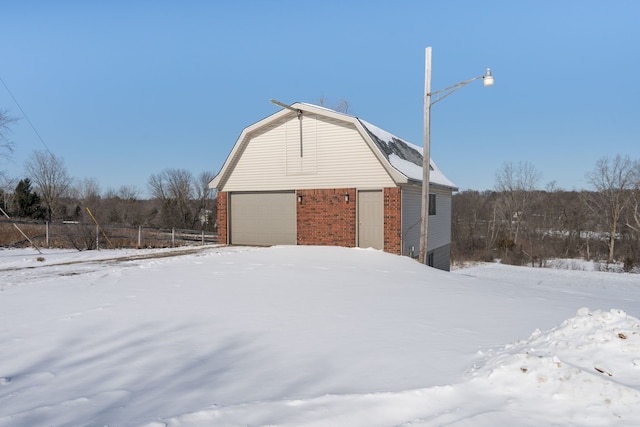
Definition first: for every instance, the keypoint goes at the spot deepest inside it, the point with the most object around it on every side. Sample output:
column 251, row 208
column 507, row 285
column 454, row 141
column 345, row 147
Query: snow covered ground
column 311, row 336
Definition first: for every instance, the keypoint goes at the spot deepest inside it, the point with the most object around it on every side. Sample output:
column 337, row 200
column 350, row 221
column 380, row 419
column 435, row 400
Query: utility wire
column 25, row 116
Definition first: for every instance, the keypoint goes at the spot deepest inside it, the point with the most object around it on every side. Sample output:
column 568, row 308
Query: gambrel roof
column 401, row 159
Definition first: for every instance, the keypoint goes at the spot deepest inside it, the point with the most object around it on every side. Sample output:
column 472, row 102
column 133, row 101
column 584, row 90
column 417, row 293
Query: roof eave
column 444, row 187
column 418, row 183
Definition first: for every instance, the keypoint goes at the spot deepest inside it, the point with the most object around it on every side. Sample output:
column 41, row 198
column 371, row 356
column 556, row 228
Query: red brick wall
column 325, row 218
column 222, row 218
column 393, row 220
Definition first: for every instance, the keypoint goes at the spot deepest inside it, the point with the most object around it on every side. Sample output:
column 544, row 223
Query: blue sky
column 124, row 89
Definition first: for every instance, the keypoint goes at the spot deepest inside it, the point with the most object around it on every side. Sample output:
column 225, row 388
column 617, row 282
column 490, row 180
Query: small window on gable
column 432, row 204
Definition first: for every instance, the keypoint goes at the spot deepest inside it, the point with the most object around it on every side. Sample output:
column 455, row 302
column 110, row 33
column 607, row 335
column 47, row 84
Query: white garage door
column 263, row 218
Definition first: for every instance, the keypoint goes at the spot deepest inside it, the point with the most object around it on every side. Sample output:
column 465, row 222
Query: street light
column 488, row 80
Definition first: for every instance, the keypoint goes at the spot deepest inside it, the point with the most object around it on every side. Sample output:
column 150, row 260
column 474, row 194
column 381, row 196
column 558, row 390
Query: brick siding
column 222, row 218
column 324, row 217
column 393, row 220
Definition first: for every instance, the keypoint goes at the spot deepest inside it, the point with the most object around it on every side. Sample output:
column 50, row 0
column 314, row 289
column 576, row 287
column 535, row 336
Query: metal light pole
column 426, row 158
column 426, row 154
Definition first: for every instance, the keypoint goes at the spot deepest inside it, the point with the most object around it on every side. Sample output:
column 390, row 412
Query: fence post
column 139, row 236
column 173, row 237
column 97, row 238
column 47, row 233
column 202, row 237
column 99, row 229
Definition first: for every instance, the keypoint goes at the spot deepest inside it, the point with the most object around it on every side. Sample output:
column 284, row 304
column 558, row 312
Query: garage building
column 307, row 175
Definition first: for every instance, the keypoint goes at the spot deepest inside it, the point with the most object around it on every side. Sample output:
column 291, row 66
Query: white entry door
column 370, row 219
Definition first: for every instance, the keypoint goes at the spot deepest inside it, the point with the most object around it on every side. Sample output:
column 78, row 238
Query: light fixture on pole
column 488, row 81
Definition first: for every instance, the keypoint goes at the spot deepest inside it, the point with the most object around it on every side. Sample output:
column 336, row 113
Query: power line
column 26, row 117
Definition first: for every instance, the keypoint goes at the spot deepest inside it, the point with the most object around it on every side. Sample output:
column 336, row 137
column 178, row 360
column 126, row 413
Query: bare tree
column 6, row 145
column 122, row 206
column 128, row 192
column 571, row 222
column 86, row 194
column 204, row 195
column 88, row 190
column 468, row 214
column 515, row 183
column 612, row 179
column 174, row 189
column 132, row 207
column 633, row 220
column 50, row 175
column 7, row 186
column 493, row 223
column 184, row 200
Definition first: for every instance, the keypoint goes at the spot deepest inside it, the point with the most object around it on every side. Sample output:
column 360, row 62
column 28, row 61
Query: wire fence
column 84, row 236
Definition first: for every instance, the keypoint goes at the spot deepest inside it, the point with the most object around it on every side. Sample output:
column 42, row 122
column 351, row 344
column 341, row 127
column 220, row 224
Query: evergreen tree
column 27, row 202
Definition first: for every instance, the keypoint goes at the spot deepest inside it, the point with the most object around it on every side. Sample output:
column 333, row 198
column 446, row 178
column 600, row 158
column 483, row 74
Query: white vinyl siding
column 301, row 153
column 439, row 233
column 334, row 155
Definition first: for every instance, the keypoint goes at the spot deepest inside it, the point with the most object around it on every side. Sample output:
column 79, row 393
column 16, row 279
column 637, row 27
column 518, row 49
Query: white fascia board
column 444, row 187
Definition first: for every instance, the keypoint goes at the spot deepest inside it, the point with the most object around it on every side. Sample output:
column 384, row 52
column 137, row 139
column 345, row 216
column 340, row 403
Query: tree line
column 521, row 224
column 48, row 193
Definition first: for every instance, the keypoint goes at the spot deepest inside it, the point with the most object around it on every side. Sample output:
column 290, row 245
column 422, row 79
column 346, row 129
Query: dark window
column 432, row 204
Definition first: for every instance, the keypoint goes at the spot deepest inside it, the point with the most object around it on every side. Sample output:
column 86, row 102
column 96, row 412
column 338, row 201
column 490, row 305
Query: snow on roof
column 405, row 156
